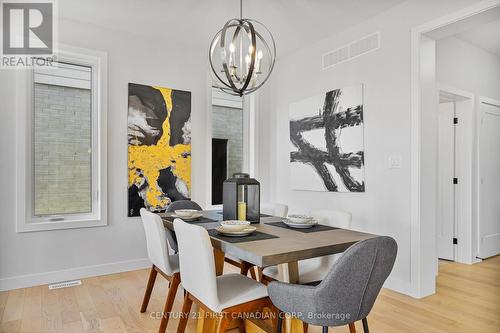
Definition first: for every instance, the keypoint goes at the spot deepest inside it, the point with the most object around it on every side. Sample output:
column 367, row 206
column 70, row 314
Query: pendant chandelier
column 242, row 56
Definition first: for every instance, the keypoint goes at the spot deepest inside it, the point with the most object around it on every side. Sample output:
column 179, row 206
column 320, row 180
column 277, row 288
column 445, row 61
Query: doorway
column 219, row 169
column 424, row 136
column 455, row 108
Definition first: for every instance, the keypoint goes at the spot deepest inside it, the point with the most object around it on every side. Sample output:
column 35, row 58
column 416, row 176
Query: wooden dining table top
column 290, row 246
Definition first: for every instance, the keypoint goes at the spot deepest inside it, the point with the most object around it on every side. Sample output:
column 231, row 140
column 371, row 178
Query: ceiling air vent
column 352, row 50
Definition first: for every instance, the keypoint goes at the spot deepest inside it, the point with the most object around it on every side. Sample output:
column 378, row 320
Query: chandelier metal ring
column 240, row 37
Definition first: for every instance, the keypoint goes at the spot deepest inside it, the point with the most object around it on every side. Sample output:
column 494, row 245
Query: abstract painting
column 327, row 147
column 159, row 147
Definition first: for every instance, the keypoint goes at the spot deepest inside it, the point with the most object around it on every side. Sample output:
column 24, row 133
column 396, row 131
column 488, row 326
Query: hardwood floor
column 467, row 300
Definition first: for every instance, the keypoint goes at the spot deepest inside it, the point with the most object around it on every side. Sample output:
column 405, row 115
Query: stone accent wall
column 227, row 123
column 62, row 150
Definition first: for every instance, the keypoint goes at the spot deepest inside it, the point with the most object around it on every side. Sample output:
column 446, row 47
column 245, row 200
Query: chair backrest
column 353, row 284
column 179, row 204
column 183, row 204
column 156, row 241
column 274, row 209
column 334, row 218
column 197, row 263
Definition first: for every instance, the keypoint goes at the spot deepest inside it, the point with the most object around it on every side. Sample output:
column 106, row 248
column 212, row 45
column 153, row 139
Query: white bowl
column 234, row 225
column 186, row 212
column 295, row 218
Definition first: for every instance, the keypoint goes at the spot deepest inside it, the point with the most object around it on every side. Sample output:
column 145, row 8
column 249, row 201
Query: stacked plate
column 235, row 228
column 188, row 214
column 300, row 221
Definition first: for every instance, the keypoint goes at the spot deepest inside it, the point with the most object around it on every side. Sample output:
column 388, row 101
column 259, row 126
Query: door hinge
column 455, row 180
column 455, row 120
column 455, row 240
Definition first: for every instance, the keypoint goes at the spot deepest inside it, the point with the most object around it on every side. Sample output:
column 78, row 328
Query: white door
column 446, row 196
column 489, row 180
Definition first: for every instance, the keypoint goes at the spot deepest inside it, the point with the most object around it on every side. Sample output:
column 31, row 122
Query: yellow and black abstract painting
column 159, row 147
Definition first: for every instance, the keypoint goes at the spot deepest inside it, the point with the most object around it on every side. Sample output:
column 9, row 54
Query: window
column 62, row 174
column 227, row 140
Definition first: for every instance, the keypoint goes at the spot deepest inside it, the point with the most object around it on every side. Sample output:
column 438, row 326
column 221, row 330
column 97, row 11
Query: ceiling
column 486, row 36
column 194, row 22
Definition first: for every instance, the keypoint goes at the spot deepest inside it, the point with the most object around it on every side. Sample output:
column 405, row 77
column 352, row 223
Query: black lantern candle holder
column 241, row 198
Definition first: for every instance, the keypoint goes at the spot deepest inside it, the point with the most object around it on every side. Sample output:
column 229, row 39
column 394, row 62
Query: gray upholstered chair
column 348, row 291
column 176, row 205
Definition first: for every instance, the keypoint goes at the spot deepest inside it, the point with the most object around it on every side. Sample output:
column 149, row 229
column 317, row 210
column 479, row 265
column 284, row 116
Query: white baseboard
column 401, row 286
column 30, row 280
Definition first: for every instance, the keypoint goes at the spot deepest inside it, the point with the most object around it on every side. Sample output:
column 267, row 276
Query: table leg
column 219, row 262
column 290, row 273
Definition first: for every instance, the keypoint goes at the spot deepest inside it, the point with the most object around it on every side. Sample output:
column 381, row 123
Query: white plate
column 246, row 232
column 234, row 225
column 296, row 219
column 190, row 218
column 307, row 225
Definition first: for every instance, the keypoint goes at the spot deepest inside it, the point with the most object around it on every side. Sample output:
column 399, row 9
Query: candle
column 242, row 211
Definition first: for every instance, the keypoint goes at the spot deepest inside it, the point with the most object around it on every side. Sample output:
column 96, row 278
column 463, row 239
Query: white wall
column 465, row 66
column 27, row 258
column 385, row 206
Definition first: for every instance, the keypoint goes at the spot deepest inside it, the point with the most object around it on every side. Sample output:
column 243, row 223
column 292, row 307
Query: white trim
column 491, row 101
column 416, row 242
column 494, row 102
column 37, row 279
column 25, row 220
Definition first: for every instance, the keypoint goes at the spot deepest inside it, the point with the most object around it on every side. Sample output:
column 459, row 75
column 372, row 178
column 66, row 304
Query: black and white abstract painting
column 327, row 142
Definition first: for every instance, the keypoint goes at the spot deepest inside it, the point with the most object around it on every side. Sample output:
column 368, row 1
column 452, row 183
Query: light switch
column 395, row 161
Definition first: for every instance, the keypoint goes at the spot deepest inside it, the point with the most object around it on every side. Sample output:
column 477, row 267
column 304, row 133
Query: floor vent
column 352, row 50
column 65, row 284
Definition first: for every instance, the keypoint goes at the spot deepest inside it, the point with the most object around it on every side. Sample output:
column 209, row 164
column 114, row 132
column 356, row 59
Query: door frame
column 481, row 100
column 423, row 252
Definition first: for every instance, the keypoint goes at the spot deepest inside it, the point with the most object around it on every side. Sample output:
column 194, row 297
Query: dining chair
column 348, row 291
column 162, row 262
column 230, row 296
column 176, row 205
column 273, row 209
column 314, row 270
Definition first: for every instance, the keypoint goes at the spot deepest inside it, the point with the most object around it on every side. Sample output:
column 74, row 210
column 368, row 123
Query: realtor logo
column 27, row 32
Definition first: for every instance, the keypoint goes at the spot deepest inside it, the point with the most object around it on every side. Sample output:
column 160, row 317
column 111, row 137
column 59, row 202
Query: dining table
column 273, row 243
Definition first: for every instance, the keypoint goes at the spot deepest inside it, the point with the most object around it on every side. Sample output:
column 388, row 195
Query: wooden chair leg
column 305, row 327
column 186, row 309
column 365, row 325
column 252, row 273
column 174, row 284
column 279, row 324
column 244, row 268
column 275, row 314
column 224, row 323
column 241, row 325
column 352, row 328
column 259, row 273
column 149, row 288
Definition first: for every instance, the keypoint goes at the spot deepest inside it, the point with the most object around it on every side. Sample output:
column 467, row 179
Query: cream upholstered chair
column 314, row 269
column 274, row 209
column 163, row 262
column 226, row 294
